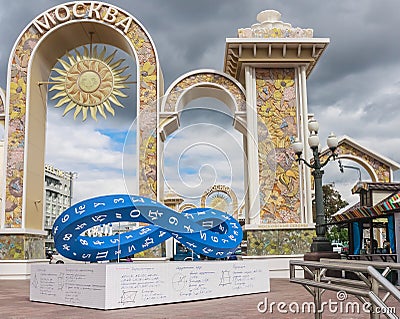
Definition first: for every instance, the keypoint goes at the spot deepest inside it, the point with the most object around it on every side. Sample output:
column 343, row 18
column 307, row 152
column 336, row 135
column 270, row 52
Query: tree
column 333, row 202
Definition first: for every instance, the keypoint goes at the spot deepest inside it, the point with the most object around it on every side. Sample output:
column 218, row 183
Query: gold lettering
column 126, row 24
column 46, row 24
column 111, row 15
column 62, row 13
column 76, row 8
column 95, row 10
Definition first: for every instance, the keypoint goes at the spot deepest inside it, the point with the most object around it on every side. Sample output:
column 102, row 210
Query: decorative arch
column 204, row 78
column 370, row 170
column 36, row 50
column 379, row 168
column 222, row 189
column 202, row 83
column 197, row 84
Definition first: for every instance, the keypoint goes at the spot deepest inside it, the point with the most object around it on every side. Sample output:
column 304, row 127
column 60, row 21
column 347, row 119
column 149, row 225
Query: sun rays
column 89, row 82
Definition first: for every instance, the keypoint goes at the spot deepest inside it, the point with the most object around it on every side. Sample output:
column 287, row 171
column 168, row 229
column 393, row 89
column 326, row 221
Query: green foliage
column 337, row 234
column 333, row 202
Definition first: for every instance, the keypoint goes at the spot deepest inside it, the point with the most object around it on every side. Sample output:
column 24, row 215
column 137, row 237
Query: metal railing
column 319, row 278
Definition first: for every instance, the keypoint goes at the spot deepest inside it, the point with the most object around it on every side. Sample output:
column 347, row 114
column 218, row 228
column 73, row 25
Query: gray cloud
column 354, row 89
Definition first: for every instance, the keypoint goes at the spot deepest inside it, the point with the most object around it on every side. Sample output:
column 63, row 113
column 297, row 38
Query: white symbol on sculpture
column 66, row 247
column 102, row 254
column 78, row 227
column 162, row 233
column 131, row 248
column 225, row 240
column 191, row 244
column 65, row 218
column 67, row 237
column 187, row 215
column 84, row 242
column 231, row 237
column 154, row 215
column 128, row 236
column 80, row 210
column 188, row 228
column 98, row 242
column 207, row 250
column 148, row 242
column 114, row 241
column 99, row 204
column 219, row 253
column 176, row 236
column 221, row 228
column 173, row 220
column 144, row 231
column 86, row 256
column 99, row 218
column 208, row 224
column 55, row 230
column 203, row 235
column 135, row 213
column 118, row 215
column 234, row 225
column 117, row 252
column 214, row 239
column 136, row 200
column 119, row 200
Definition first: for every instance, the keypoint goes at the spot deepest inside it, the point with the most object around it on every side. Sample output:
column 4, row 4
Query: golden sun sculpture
column 89, row 81
column 220, row 203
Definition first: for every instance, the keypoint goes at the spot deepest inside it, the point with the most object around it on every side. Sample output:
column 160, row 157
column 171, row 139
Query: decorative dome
column 270, row 26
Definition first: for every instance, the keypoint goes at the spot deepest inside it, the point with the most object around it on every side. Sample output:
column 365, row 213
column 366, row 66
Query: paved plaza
column 15, row 304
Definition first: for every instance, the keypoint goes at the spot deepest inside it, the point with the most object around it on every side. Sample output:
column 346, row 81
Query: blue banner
column 357, row 237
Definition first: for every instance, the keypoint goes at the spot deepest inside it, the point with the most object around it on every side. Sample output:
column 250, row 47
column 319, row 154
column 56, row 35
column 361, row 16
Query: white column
column 252, row 147
column 304, row 138
column 169, row 248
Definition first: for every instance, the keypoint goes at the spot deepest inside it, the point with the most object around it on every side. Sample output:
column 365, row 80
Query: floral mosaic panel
column 279, row 242
column 279, row 175
column 147, row 62
column 17, row 247
column 34, row 247
column 154, row 252
column 12, row 247
column 205, row 77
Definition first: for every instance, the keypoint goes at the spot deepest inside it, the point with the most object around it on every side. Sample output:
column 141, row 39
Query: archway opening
column 205, row 150
column 91, row 105
column 51, row 47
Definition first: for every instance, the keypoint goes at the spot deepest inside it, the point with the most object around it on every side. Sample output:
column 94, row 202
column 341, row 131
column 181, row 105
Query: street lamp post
column 320, row 243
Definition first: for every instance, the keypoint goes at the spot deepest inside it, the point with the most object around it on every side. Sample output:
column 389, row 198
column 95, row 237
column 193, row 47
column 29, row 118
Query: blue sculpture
column 206, row 231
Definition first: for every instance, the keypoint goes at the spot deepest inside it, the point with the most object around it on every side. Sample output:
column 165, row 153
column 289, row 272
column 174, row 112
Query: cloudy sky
column 354, row 90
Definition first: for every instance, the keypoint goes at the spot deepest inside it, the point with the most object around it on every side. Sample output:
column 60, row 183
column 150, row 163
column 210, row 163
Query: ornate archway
column 379, row 168
column 37, row 49
column 204, row 84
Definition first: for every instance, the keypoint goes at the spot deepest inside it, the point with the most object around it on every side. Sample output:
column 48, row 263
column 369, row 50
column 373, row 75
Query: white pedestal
column 111, row 286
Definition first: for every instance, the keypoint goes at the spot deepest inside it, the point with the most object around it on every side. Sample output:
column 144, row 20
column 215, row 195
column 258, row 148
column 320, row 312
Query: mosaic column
column 272, row 60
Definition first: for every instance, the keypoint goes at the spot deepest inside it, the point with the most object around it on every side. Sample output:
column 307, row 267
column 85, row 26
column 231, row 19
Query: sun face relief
column 89, row 82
